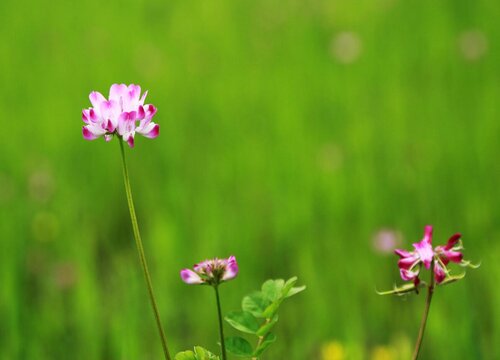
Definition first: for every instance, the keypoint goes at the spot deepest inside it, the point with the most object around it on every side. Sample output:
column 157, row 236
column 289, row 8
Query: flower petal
column 231, row 269
column 425, row 252
column 143, row 97
column 96, row 98
column 408, row 262
column 452, row 241
column 402, row 253
column 93, row 116
column 408, row 274
column 131, row 97
column 126, row 123
column 91, row 132
column 150, row 111
column 85, row 116
column 454, row 256
column 141, row 113
column 200, row 267
column 117, row 91
column 190, row 277
column 424, row 247
column 151, row 131
column 87, row 134
column 439, row 273
column 110, row 110
column 428, row 234
column 130, row 141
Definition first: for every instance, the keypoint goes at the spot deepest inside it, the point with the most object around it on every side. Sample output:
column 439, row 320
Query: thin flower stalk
column 142, row 256
column 430, row 292
column 221, row 324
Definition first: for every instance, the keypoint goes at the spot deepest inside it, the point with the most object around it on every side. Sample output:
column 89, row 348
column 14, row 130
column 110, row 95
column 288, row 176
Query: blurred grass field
column 291, row 134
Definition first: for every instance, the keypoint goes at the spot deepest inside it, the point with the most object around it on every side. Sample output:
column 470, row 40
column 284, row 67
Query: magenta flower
column 211, row 272
column 410, row 263
column 124, row 114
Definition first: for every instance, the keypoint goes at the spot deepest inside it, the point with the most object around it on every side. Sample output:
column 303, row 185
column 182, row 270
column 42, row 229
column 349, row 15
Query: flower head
column 410, row 262
column 124, row 114
column 211, row 272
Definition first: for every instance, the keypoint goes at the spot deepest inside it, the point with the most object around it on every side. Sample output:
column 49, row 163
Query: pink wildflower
column 410, row 263
column 211, row 272
column 119, row 115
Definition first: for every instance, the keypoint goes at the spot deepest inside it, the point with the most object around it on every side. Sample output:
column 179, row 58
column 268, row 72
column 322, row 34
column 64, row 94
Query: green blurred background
column 305, row 137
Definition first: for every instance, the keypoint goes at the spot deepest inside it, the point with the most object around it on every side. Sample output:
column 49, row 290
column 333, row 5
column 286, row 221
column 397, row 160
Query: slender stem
column 261, row 338
column 140, row 249
column 430, row 292
column 221, row 327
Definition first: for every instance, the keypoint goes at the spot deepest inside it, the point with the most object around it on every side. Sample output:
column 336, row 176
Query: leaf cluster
column 199, row 353
column 258, row 316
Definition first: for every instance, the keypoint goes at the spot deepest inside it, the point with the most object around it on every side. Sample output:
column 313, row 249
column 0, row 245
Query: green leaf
column 268, row 340
column 289, row 289
column 277, row 291
column 403, row 289
column 238, row 346
column 255, row 303
column 198, row 354
column 295, row 290
column 267, row 326
column 272, row 289
column 466, row 263
column 452, row 278
column 288, row 286
column 185, row 355
column 204, row 354
column 243, row 321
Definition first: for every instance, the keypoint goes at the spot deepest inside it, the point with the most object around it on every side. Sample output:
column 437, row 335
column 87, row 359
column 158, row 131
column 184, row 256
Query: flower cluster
column 119, row 115
column 211, row 272
column 410, row 263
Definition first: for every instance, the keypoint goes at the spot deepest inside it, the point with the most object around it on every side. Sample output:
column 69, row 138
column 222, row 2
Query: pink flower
column 119, row 115
column 211, row 272
column 410, row 263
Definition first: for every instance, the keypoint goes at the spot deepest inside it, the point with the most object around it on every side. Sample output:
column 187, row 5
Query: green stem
column 261, row 338
column 140, row 249
column 430, row 292
column 221, row 327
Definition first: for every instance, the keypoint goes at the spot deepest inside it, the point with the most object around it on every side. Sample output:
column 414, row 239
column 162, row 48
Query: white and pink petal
column 151, row 131
column 131, row 97
column 190, row 277
column 143, row 98
column 231, row 269
column 150, row 111
column 117, row 91
column 92, row 132
column 96, row 98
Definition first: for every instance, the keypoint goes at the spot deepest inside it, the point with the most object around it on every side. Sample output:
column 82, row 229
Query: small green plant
column 259, row 311
column 258, row 316
column 199, row 353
